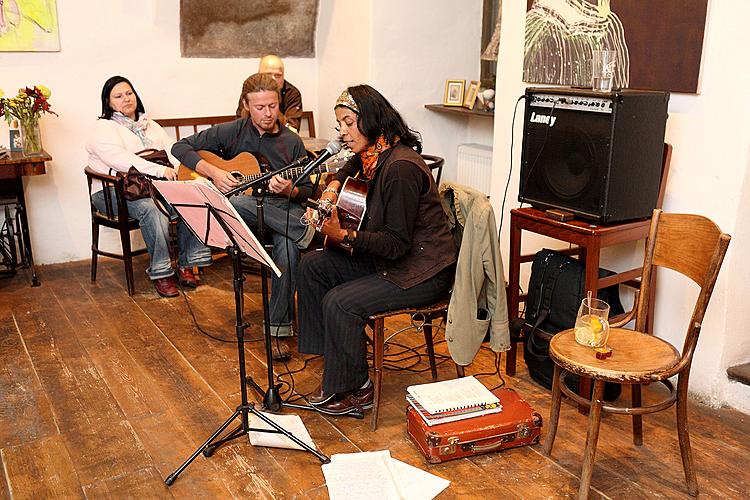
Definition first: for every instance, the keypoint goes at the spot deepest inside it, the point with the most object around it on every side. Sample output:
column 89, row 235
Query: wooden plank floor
column 103, row 395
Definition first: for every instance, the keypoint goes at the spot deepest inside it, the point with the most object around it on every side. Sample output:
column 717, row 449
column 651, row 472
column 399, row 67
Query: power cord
column 510, row 172
column 197, row 325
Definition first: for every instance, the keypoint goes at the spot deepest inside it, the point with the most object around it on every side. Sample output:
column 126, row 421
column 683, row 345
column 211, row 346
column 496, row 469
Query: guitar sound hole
column 237, row 175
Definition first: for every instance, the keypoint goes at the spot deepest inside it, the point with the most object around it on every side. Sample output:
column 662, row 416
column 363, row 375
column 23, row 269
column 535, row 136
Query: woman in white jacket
column 122, row 130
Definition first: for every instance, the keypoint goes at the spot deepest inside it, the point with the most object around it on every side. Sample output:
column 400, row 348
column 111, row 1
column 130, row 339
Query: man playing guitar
column 261, row 133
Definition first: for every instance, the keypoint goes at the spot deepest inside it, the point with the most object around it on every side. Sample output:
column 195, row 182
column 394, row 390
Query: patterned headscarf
column 370, row 156
column 346, row 100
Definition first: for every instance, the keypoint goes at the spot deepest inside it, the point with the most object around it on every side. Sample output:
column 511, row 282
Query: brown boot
column 167, row 287
column 187, row 278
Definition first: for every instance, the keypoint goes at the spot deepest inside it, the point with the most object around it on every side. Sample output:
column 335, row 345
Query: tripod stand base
column 210, row 445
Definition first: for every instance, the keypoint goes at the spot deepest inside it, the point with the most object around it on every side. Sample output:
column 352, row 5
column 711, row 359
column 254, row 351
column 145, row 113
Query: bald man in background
column 291, row 99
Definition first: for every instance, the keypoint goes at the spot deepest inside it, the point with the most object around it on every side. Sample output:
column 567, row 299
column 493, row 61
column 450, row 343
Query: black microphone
column 330, row 150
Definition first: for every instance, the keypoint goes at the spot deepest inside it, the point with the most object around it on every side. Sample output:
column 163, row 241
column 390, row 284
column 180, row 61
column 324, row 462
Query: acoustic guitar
column 351, row 206
column 244, row 167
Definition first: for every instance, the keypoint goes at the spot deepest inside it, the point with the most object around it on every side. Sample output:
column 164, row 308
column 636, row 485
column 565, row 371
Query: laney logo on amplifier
column 546, row 119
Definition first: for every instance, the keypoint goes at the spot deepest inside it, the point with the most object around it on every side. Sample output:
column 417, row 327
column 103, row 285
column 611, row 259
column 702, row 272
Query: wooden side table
column 590, row 239
column 12, row 171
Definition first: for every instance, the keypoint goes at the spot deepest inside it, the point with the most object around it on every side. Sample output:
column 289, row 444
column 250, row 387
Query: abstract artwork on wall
column 248, row 28
column 29, row 26
column 658, row 44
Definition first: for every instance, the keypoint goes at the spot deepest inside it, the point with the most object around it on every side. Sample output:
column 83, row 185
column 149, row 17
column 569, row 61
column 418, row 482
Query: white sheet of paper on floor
column 291, row 423
column 376, row 475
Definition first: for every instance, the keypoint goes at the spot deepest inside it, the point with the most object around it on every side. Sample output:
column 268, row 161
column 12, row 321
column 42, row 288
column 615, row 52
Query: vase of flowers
column 27, row 107
column 31, row 136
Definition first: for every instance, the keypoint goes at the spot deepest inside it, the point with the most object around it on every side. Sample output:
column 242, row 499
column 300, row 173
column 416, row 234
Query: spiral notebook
column 454, row 394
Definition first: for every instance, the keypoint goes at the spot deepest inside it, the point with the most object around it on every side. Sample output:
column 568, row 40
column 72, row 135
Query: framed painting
column 658, row 45
column 471, row 94
column 454, row 93
column 29, row 26
column 248, row 28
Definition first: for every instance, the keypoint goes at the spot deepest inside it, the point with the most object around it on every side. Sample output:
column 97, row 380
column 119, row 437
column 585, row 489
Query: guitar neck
column 292, row 173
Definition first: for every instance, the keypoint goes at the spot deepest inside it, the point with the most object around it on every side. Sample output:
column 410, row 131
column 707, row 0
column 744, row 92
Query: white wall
column 407, row 57
column 344, row 51
column 138, row 39
column 415, row 52
column 708, row 175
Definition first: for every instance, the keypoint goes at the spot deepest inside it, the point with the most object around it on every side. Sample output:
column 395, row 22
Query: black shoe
column 318, row 397
column 280, row 352
column 348, row 402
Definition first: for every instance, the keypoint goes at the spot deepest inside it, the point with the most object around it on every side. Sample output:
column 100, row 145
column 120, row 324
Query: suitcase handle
column 523, row 431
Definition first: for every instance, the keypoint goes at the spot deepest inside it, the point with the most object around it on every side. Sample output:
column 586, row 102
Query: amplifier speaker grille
column 596, row 155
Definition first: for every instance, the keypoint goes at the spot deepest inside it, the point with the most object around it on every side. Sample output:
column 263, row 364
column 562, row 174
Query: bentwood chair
column 693, row 246
column 309, row 119
column 435, row 164
column 422, row 321
column 120, row 221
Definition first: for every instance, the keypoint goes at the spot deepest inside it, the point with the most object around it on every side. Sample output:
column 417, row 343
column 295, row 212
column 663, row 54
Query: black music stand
column 211, row 217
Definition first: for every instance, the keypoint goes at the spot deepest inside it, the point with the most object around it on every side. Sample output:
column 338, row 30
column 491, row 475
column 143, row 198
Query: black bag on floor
column 556, row 289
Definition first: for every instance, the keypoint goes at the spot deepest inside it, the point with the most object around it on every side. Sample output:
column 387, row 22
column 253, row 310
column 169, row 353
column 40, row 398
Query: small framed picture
column 471, row 94
column 15, row 141
column 454, row 92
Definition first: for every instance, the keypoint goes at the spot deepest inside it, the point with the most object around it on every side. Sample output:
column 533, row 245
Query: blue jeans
column 285, row 252
column 155, row 232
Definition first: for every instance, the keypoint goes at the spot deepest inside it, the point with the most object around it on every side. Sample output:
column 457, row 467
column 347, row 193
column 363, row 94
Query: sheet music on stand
column 189, row 199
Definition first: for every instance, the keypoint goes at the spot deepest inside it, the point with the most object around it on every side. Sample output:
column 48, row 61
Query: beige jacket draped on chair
column 478, row 301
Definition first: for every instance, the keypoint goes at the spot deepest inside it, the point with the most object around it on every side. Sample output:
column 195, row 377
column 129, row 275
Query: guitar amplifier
column 597, row 155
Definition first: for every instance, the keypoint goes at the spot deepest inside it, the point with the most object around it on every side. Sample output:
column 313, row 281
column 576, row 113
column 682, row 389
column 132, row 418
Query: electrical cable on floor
column 405, row 359
column 200, row 328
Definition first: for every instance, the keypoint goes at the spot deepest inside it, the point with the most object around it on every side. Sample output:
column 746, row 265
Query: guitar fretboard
column 291, row 173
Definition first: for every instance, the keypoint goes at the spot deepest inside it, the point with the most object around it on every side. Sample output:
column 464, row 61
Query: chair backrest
column 108, row 181
column 435, row 163
column 176, row 127
column 666, row 160
column 693, row 246
column 309, row 120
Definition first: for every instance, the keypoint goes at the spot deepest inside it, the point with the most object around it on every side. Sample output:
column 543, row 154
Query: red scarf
column 370, row 156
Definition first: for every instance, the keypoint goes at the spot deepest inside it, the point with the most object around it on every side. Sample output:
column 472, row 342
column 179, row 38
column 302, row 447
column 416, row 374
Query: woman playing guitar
column 402, row 251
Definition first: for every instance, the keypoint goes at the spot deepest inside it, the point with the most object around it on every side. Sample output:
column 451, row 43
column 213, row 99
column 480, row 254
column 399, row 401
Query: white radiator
column 474, row 165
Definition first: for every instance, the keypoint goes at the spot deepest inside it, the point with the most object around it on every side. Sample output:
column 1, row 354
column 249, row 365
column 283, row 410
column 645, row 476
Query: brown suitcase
column 517, row 425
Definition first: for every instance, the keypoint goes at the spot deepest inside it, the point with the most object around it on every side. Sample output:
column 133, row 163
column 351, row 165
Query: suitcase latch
column 450, row 447
column 433, row 439
column 523, row 431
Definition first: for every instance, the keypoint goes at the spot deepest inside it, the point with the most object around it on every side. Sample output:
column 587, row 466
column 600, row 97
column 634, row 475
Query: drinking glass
column 603, row 70
column 592, row 323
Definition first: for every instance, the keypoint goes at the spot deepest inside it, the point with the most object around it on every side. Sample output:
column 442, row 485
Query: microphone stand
column 271, row 396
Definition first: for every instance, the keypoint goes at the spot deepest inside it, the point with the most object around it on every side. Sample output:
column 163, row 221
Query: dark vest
column 432, row 245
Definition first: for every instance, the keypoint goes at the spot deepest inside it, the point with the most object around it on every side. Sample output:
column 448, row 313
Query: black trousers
column 336, row 295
